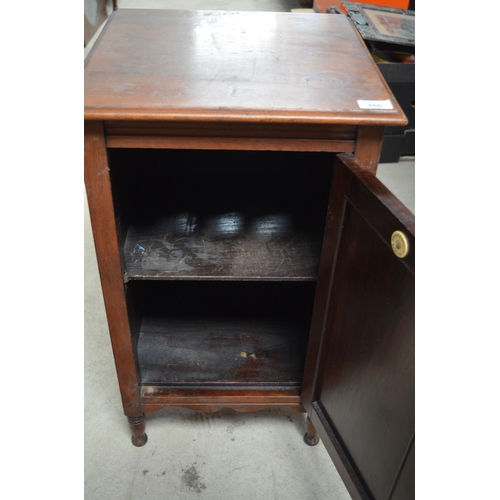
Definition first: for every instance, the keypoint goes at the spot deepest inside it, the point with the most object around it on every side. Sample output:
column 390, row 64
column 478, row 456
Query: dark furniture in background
column 400, row 141
column 389, row 34
column 248, row 255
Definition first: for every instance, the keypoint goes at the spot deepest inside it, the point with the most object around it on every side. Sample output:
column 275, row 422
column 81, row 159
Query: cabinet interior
column 221, row 251
column 250, row 333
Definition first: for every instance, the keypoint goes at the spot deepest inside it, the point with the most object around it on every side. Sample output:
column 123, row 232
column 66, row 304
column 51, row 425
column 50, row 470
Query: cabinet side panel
column 98, row 186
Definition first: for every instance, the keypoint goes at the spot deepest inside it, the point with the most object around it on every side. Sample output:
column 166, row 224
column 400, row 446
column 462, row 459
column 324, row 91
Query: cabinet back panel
column 154, row 183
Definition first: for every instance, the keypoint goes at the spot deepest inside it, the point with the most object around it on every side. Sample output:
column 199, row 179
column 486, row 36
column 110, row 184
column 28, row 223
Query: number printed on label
column 375, row 104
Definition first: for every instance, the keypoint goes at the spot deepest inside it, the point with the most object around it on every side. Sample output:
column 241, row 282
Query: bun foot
column 311, row 437
column 311, row 440
column 140, row 441
column 138, row 427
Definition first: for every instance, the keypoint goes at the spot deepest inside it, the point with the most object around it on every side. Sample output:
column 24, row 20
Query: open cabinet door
column 359, row 385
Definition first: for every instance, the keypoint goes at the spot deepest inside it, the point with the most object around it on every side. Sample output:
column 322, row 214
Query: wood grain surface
column 233, row 66
column 361, row 390
column 162, row 254
column 104, row 229
column 221, row 351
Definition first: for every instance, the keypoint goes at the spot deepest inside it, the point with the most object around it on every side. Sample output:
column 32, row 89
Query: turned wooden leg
column 138, row 426
column 311, row 437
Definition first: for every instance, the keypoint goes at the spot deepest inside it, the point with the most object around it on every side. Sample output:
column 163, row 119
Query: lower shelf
column 220, row 351
column 224, row 334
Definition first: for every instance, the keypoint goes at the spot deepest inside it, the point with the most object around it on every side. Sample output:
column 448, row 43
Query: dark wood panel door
column 359, row 379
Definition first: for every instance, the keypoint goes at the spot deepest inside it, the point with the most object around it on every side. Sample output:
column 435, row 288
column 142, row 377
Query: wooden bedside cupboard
column 249, row 257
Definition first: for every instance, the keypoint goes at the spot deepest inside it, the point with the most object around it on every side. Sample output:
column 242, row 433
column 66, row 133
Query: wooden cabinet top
column 234, row 66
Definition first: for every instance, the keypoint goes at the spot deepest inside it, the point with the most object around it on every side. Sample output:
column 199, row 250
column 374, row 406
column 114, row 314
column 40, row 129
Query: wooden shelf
column 228, row 246
column 221, row 332
column 208, row 351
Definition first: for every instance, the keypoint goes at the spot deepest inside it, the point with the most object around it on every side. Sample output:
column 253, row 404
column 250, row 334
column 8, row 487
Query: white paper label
column 375, row 104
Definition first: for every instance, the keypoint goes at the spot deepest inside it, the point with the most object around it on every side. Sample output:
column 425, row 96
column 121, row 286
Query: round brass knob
column 400, row 245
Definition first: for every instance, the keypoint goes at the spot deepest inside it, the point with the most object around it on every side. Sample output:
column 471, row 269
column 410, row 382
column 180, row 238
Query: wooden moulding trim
column 151, row 394
column 155, row 142
column 161, row 277
column 219, row 400
column 231, row 130
column 247, row 116
column 150, row 408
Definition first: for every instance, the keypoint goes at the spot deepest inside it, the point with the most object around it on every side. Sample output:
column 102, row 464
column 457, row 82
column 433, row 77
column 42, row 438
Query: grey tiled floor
column 224, row 455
